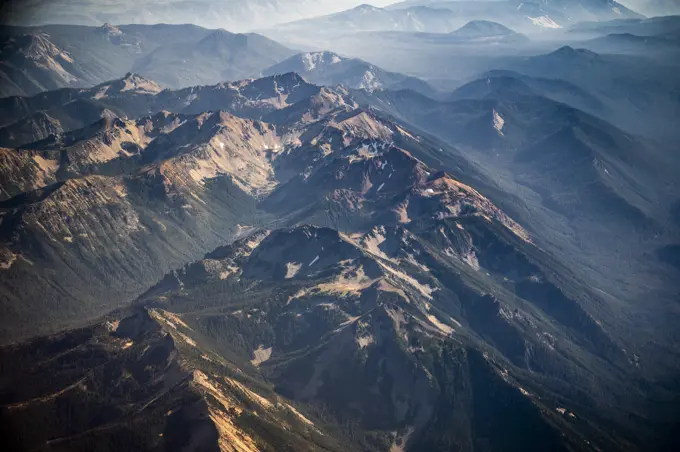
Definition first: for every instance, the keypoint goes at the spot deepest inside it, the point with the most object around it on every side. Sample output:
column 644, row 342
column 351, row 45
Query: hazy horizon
column 231, row 15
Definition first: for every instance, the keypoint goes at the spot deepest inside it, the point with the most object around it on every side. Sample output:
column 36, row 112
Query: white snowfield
column 498, row 122
column 313, row 59
column 544, row 22
column 370, row 82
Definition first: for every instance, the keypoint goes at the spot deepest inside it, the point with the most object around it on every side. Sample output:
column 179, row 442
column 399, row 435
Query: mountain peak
column 299, row 252
column 110, row 30
column 570, row 52
column 129, row 82
column 482, row 28
column 366, row 8
column 287, row 79
column 38, row 47
column 313, row 60
column 221, row 40
column 493, row 86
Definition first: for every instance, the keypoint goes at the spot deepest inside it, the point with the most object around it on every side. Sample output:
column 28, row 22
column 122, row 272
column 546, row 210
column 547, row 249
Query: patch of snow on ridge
column 292, row 268
column 544, row 22
column 370, row 81
column 312, row 60
column 498, row 122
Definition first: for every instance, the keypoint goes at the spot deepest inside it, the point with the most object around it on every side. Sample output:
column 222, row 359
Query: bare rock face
column 48, row 66
column 180, row 393
column 24, row 171
column 130, row 82
column 25, row 120
column 29, row 129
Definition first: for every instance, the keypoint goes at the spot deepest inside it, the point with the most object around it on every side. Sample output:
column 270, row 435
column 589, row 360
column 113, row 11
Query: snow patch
column 309, row 60
column 564, row 412
column 292, row 268
column 190, row 98
column 544, row 22
column 370, row 82
column 313, row 59
column 498, row 122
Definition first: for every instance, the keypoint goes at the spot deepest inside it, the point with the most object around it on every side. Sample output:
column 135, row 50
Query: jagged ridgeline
column 311, row 339
column 351, row 286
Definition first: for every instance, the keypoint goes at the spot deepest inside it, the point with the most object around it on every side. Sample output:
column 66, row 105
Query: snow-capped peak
column 312, row 60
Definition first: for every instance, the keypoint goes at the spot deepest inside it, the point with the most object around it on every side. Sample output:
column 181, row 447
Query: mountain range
column 238, row 15
column 367, row 277
column 446, row 17
column 329, row 68
column 37, row 59
column 543, row 14
column 428, row 226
